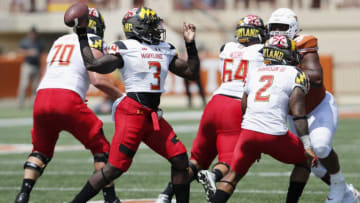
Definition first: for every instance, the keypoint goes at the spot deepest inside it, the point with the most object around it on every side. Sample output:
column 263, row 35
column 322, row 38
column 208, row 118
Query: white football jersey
column 65, row 66
column 236, row 61
column 269, row 89
column 145, row 66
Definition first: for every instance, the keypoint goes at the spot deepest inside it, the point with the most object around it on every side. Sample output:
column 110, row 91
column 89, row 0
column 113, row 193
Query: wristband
column 82, row 33
column 305, row 139
column 191, row 48
column 299, row 118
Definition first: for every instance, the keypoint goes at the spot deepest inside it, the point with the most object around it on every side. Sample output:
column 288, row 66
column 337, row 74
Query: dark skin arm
column 102, row 82
column 310, row 64
column 297, row 108
column 105, row 64
column 244, row 103
column 189, row 69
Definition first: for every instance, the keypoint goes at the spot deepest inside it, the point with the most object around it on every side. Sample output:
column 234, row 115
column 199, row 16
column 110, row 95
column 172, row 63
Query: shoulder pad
column 120, row 45
column 97, row 43
column 171, row 46
column 116, row 47
column 301, row 79
column 222, row 48
column 306, row 43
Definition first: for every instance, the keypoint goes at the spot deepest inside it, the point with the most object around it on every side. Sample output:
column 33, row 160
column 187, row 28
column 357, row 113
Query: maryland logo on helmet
column 279, row 49
column 251, row 28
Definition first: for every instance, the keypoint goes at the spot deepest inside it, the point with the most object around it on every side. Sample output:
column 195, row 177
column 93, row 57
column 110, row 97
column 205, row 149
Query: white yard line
column 170, row 116
column 26, row 148
column 158, row 190
column 159, row 173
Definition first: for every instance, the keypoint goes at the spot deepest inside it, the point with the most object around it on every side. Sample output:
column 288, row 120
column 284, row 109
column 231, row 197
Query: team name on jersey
column 152, row 55
column 280, row 69
column 237, row 54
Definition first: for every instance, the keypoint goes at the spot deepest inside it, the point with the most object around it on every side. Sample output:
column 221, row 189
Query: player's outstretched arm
column 102, row 82
column 104, row 64
column 189, row 69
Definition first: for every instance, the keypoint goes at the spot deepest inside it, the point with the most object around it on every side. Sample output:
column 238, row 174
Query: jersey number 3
column 156, row 75
column 66, row 52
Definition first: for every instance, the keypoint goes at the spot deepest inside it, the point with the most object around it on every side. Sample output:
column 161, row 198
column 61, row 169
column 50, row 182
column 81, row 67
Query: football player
column 144, row 60
column 60, row 105
column 321, row 109
column 220, row 123
column 270, row 93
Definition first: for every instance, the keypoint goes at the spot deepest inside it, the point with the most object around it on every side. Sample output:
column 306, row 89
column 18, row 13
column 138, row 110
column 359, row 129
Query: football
column 79, row 11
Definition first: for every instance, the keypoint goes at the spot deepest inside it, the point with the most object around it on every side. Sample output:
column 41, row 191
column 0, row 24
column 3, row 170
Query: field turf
column 69, row 169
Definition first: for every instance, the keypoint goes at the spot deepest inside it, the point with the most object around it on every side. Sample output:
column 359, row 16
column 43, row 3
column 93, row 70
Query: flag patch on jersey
column 301, row 79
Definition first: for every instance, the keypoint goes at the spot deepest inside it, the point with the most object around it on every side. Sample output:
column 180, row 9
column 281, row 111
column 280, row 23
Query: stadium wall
column 338, row 32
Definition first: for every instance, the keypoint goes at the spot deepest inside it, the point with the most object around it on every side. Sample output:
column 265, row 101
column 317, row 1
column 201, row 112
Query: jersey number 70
column 66, row 52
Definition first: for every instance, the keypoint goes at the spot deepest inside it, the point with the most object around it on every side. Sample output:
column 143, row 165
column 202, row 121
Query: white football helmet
column 284, row 16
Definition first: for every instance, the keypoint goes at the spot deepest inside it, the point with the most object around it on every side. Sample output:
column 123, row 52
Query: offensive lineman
column 59, row 105
column 144, row 60
column 270, row 93
column 321, row 109
column 220, row 123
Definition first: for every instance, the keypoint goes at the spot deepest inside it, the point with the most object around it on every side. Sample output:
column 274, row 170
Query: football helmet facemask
column 283, row 21
column 281, row 50
column 250, row 29
column 96, row 23
column 144, row 24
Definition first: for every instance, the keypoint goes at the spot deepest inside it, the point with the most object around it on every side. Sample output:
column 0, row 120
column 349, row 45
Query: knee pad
column 35, row 166
column 109, row 173
column 319, row 171
column 194, row 169
column 322, row 151
column 180, row 162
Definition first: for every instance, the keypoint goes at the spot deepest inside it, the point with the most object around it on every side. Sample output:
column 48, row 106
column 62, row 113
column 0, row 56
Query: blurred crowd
column 32, row 5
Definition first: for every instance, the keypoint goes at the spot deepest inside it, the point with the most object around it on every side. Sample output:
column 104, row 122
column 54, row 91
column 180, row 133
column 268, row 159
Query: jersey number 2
column 240, row 73
column 66, row 49
column 157, row 66
column 259, row 94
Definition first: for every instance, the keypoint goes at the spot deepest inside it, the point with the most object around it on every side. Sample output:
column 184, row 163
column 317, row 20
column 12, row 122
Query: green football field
column 71, row 165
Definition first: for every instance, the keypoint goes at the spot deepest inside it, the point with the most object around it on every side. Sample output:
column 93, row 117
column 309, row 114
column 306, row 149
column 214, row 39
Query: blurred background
column 334, row 22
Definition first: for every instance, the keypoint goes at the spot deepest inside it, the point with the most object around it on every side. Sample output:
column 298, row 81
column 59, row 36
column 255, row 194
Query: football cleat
column 207, row 179
column 337, row 192
column 164, row 198
column 351, row 195
column 115, row 201
column 22, row 197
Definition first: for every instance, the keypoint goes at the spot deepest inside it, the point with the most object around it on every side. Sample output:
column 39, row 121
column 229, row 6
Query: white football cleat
column 351, row 195
column 207, row 179
column 337, row 192
column 164, row 198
